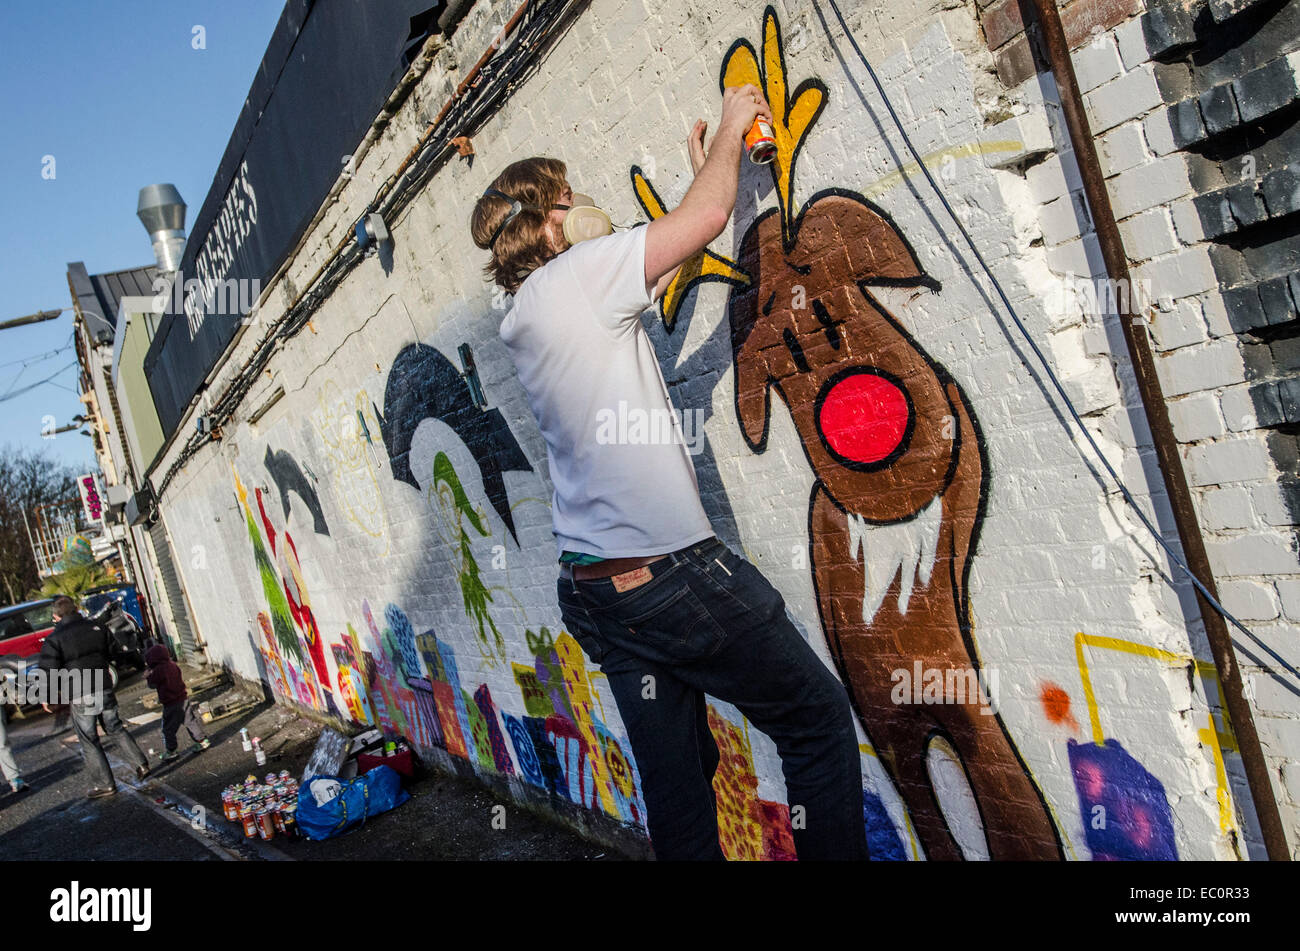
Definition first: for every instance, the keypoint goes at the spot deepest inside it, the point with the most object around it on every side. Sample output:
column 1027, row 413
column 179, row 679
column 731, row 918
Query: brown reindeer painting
column 901, row 476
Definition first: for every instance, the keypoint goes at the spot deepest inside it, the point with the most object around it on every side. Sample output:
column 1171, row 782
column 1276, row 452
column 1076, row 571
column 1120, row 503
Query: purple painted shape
column 1125, row 812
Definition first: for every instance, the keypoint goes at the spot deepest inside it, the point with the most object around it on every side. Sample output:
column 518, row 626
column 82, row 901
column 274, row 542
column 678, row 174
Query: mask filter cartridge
column 585, row 221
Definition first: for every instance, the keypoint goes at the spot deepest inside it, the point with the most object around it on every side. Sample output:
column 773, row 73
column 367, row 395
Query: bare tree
column 27, row 479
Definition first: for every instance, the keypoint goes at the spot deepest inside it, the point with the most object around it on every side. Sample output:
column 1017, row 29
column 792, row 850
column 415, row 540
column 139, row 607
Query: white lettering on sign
column 217, row 256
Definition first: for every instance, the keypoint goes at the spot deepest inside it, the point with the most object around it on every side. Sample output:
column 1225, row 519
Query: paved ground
column 446, row 818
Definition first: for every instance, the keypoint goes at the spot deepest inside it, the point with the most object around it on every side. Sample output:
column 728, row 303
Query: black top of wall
column 326, row 73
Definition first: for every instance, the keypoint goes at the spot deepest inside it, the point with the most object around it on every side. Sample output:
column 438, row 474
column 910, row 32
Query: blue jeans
column 709, row 622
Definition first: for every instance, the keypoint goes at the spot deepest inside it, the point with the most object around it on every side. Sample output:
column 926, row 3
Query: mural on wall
column 749, row 828
column 456, row 511
column 423, row 384
column 894, row 520
column 410, row 685
column 288, row 477
column 901, row 476
column 353, row 463
column 1125, row 810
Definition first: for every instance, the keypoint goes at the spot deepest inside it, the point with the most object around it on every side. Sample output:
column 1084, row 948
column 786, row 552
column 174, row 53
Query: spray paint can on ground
column 258, row 751
column 760, row 143
column 243, row 736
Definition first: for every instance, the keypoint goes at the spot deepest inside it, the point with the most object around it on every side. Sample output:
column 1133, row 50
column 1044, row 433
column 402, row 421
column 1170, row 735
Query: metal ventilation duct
column 162, row 213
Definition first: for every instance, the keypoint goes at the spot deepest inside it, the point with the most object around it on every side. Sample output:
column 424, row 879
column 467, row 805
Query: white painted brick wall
column 1226, row 508
column 1146, row 186
column 1122, row 148
column 1179, row 275
column 1149, row 235
column 391, row 543
column 1096, row 63
column 1195, row 417
column 1225, row 461
column 1249, row 600
column 1132, row 44
column 1199, row 368
column 1127, row 97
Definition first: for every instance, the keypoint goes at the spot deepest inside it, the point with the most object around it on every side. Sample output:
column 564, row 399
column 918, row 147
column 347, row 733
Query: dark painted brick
column 1286, row 361
column 1246, row 205
column 1265, row 90
column 1288, row 392
column 1268, row 404
column 1271, row 258
column 1245, row 312
column 1082, row 16
column 1281, row 189
column 1227, row 9
column 1166, row 27
column 1284, row 450
column 1219, row 109
column 1291, row 495
column 1001, row 22
column 1275, row 297
column 1185, row 123
column 1215, row 214
column 1258, row 359
column 1015, row 62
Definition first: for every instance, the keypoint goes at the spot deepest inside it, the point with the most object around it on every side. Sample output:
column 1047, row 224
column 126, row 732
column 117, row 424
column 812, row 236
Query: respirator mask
column 583, row 222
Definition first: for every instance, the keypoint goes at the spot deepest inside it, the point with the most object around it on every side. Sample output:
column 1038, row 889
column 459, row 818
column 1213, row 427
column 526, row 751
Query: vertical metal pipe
column 1162, row 433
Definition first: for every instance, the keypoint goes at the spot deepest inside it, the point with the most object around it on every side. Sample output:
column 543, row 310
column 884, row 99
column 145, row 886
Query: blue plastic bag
column 377, row 791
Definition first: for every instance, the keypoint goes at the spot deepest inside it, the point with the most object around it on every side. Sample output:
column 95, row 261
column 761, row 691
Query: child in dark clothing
column 165, row 677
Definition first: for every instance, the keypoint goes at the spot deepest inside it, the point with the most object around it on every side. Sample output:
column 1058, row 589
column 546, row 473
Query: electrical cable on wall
column 1128, row 497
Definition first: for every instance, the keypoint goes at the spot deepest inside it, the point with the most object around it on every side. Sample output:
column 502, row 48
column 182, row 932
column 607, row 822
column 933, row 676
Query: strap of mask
column 516, row 207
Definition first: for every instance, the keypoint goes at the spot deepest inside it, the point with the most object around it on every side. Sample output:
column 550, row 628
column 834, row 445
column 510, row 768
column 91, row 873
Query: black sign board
column 326, row 73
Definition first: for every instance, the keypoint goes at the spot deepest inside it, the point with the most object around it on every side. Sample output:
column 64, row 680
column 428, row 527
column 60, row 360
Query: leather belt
column 611, row 567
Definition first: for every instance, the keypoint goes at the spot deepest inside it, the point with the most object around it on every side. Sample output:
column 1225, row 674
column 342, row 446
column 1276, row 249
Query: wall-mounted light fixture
column 470, row 376
column 371, row 233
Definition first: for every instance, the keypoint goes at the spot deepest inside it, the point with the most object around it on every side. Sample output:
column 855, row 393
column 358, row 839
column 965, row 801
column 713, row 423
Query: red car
column 24, row 627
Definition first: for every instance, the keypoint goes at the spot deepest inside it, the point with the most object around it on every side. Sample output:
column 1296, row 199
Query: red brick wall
column 1004, row 30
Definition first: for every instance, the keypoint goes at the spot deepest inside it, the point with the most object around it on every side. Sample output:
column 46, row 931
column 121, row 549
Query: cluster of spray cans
column 265, row 809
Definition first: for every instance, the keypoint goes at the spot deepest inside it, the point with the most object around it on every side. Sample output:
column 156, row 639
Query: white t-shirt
column 624, row 481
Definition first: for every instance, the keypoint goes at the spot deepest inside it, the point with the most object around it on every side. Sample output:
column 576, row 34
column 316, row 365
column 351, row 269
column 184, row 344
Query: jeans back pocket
column 663, row 619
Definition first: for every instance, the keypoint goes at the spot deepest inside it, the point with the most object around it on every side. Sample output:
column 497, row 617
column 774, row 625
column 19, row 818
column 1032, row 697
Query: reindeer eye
column 828, row 323
column 796, row 351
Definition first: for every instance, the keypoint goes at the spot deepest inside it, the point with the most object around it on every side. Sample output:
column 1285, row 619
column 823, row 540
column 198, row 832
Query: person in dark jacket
column 165, row 677
column 75, row 657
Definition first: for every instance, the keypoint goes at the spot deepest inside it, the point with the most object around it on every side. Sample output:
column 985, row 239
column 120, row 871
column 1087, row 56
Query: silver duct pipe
column 162, row 212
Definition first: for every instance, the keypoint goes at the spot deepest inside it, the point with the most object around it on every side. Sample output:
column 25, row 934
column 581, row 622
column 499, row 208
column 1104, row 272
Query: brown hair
column 523, row 245
column 64, row 606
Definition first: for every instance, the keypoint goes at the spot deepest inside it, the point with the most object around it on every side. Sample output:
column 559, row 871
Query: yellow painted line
column 1215, row 739
column 965, row 150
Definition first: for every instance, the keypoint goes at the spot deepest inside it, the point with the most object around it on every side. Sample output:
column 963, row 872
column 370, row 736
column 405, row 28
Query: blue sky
column 120, row 97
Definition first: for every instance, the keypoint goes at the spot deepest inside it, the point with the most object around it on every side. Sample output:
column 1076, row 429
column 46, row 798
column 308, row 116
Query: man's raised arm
column 708, row 203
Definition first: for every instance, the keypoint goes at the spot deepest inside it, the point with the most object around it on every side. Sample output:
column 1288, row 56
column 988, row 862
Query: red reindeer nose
column 863, row 417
